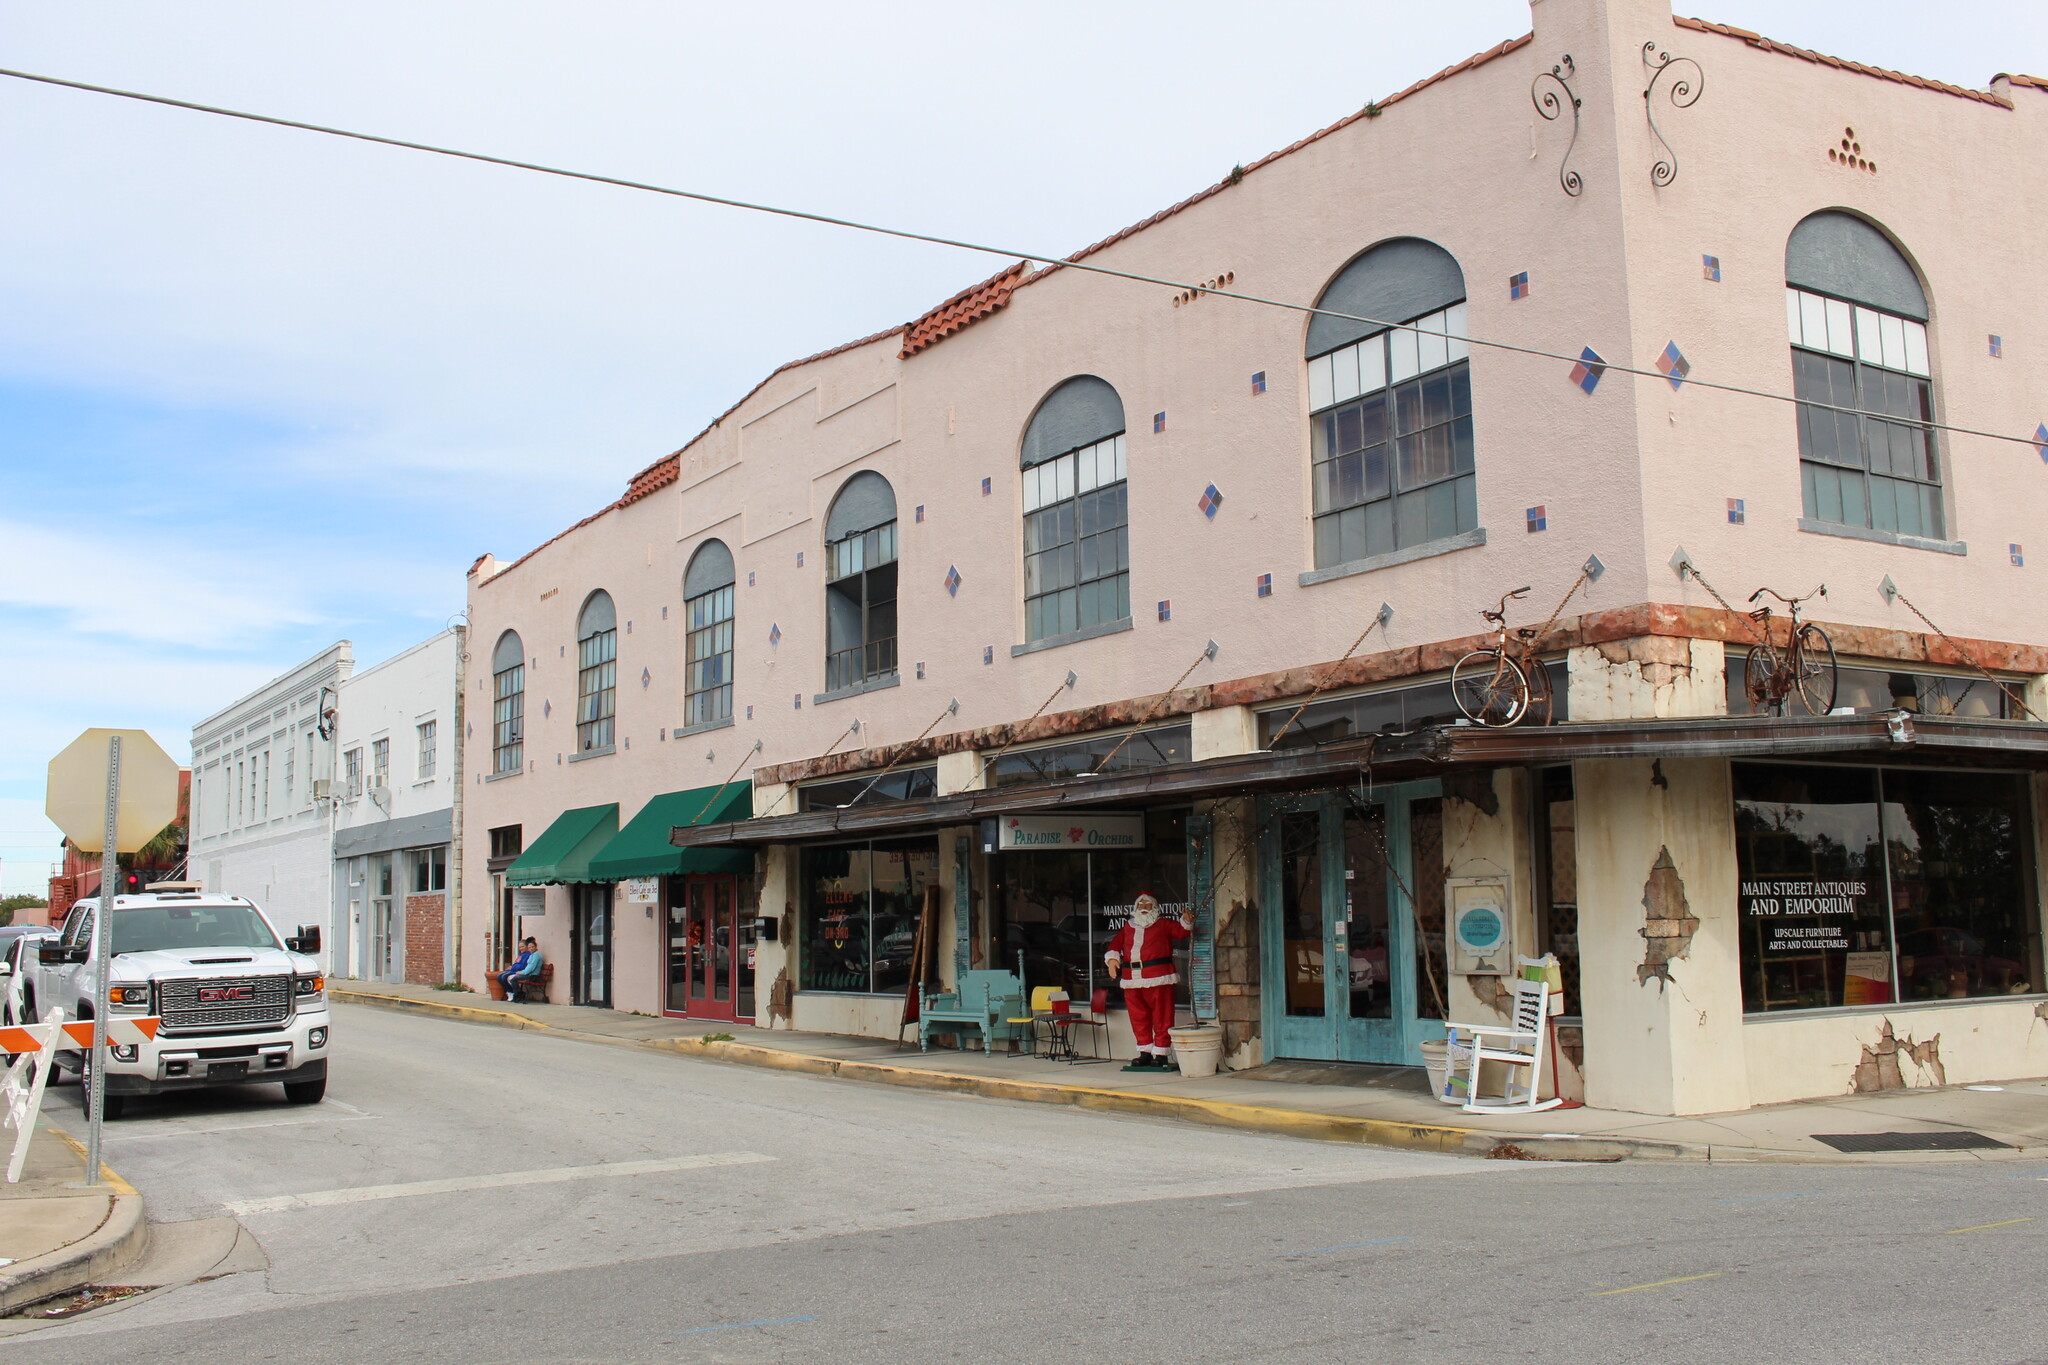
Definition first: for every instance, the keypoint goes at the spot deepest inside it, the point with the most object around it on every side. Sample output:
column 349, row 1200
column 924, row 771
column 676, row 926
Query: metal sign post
column 102, row 962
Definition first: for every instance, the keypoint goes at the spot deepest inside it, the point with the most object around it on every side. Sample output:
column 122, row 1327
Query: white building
column 395, row 799
column 257, row 828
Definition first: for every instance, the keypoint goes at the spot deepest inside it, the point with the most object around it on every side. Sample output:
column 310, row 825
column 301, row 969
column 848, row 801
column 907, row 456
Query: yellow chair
column 1041, row 1006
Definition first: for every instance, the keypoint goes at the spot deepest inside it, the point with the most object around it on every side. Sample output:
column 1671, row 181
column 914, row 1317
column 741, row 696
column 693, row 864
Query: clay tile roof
column 2037, row 82
column 963, row 310
column 660, row 474
column 1822, row 59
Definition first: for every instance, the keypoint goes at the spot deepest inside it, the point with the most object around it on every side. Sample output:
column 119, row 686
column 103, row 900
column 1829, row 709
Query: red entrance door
column 710, row 954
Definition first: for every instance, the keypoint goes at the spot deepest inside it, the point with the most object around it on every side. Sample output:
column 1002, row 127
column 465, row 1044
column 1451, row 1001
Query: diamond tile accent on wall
column 1538, row 518
column 796, row 703
column 1259, row 382
column 1710, row 266
column 1518, row 286
column 1674, row 365
column 1158, row 422
column 774, row 634
column 1997, row 346
column 2019, row 561
column 1586, row 374
column 985, row 487
column 1738, row 512
column 1212, row 499
column 2041, row 439
column 920, row 671
column 952, row 581
column 799, row 559
column 920, row 512
column 1265, row 585
column 988, row 654
column 1166, row 610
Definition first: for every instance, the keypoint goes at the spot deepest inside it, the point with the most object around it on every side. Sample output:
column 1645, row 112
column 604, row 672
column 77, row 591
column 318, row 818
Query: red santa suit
column 1140, row 956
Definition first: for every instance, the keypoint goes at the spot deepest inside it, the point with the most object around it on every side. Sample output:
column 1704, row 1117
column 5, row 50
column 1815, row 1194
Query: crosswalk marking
column 363, row 1194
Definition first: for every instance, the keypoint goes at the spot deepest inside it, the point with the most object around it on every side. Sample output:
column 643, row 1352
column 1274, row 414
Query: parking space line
column 1656, row 1284
column 1983, row 1226
column 1346, row 1246
column 363, row 1194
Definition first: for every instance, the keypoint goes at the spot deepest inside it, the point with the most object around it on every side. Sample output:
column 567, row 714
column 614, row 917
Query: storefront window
column 1059, row 909
column 1368, row 912
column 1153, row 748
column 1864, row 886
column 1391, row 711
column 1557, row 877
column 1301, row 910
column 868, row 789
column 861, row 905
column 1426, row 842
column 1867, row 691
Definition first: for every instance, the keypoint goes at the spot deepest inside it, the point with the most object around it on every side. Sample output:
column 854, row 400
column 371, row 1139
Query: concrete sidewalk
column 55, row 1235
column 1375, row 1105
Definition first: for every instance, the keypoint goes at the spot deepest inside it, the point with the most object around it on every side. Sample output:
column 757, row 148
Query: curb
column 1419, row 1137
column 113, row 1245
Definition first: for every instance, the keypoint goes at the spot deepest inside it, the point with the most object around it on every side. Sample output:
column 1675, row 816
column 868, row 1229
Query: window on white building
column 380, row 762
column 352, row 771
column 428, row 734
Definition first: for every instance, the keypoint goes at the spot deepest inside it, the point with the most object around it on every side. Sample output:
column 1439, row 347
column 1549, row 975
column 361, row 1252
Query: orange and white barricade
column 21, row 1094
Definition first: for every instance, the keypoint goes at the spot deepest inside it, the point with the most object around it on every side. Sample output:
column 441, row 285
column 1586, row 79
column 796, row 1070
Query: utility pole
column 103, row 962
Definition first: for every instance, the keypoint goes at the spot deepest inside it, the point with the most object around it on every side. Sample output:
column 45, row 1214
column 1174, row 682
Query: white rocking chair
column 1518, row 1043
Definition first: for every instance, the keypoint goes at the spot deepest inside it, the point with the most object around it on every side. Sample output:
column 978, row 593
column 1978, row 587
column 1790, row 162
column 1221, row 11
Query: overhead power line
column 904, row 234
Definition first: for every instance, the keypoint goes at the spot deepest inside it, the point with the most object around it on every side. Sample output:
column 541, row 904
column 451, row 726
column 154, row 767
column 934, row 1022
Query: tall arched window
column 597, row 673
column 1391, row 434
column 1858, row 323
column 508, row 704
column 860, row 583
column 707, row 639
column 1076, row 514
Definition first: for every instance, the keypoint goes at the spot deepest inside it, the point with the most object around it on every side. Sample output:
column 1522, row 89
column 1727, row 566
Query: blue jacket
column 518, row 967
column 530, row 967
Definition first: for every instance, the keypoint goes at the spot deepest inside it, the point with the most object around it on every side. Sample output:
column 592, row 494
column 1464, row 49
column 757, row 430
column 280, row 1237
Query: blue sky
column 261, row 390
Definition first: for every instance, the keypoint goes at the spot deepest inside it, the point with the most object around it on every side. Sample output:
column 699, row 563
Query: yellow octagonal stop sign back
column 77, row 798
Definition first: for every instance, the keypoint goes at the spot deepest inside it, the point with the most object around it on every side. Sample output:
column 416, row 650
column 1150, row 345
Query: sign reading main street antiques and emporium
column 1054, row 832
column 1807, row 914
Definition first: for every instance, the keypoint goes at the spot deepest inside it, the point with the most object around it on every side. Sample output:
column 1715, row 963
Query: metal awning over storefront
column 564, row 850
column 1433, row 751
column 642, row 848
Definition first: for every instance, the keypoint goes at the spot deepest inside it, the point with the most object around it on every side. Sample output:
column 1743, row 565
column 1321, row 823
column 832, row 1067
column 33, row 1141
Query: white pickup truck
column 239, row 1004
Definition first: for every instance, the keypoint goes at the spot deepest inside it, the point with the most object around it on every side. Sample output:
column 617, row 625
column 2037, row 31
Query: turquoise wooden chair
column 982, row 1004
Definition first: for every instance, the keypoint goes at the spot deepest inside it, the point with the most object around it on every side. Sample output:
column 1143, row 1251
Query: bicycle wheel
column 1489, row 688
column 1813, row 670
column 1759, row 673
column 1541, row 695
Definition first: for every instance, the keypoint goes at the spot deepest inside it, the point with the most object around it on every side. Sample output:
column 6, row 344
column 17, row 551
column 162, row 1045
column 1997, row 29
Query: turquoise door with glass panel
column 1351, row 889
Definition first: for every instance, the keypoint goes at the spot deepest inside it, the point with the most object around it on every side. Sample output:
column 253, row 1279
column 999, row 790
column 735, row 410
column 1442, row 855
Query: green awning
column 563, row 851
column 642, row 848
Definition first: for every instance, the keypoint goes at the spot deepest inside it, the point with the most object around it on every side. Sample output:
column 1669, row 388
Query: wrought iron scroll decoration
column 1684, row 93
column 1552, row 107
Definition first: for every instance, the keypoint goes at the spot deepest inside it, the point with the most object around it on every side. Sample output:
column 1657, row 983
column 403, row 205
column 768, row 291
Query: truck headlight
column 122, row 1052
column 129, row 995
column 306, row 986
column 316, row 1037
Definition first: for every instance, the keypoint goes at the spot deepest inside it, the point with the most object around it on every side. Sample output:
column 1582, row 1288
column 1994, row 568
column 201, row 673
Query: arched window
column 508, row 704
column 1076, row 514
column 1858, row 323
column 1391, row 432
column 597, row 673
column 707, row 639
column 860, row 583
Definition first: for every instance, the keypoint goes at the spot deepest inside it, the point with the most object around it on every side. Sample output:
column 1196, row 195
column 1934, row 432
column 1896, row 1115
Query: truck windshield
column 176, row 928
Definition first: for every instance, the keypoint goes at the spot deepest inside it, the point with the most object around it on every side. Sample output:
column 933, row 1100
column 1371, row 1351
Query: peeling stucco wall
column 1879, row 1068
column 1647, row 676
column 1668, row 921
column 1237, row 933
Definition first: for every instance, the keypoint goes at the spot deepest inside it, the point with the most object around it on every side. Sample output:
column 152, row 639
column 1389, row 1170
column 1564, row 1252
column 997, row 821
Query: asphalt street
column 471, row 1194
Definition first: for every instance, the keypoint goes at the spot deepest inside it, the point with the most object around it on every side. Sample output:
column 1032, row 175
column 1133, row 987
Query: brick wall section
column 426, row 934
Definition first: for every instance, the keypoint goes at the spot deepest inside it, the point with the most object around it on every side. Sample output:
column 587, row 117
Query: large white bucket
column 1439, row 1059
column 1197, row 1048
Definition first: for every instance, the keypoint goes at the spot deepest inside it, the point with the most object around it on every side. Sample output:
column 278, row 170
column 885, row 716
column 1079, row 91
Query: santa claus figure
column 1140, row 957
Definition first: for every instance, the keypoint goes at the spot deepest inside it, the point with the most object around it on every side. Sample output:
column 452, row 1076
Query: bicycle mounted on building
column 1503, row 684
column 1805, row 667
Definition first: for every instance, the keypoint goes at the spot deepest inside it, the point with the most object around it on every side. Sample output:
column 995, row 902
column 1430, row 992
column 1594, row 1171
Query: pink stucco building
column 1078, row 558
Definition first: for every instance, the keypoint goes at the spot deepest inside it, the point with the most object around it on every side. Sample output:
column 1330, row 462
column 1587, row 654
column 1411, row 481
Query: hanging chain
column 1015, row 730
column 792, row 788
column 1580, row 582
column 952, row 708
column 719, row 790
column 1329, row 676
column 1748, row 622
column 1207, row 654
column 1968, row 657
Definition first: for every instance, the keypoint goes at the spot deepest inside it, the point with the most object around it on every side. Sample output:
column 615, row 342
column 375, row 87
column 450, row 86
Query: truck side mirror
column 58, row 954
column 307, row 941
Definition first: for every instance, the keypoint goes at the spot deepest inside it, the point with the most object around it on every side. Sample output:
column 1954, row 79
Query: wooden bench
column 533, row 990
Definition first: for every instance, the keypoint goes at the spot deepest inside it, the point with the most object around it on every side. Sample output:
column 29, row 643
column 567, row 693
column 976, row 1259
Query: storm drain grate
column 1909, row 1142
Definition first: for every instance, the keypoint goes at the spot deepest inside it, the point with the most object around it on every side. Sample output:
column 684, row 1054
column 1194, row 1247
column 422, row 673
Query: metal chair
column 1097, row 1019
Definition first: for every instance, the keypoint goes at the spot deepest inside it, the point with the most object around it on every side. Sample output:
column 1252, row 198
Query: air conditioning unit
column 323, row 789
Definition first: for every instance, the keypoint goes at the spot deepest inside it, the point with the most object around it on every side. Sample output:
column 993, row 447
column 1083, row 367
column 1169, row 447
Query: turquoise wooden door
column 1354, row 966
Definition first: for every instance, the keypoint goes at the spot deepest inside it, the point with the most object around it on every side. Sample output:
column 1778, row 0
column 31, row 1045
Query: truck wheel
column 112, row 1107
column 305, row 1092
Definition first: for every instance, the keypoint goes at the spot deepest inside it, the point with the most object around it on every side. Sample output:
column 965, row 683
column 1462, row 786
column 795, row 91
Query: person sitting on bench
column 524, row 968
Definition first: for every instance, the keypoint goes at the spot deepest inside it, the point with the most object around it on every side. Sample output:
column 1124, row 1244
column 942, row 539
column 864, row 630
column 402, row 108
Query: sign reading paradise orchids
column 1055, row 833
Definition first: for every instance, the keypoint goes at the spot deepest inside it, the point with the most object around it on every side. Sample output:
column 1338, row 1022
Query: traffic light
column 131, row 884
